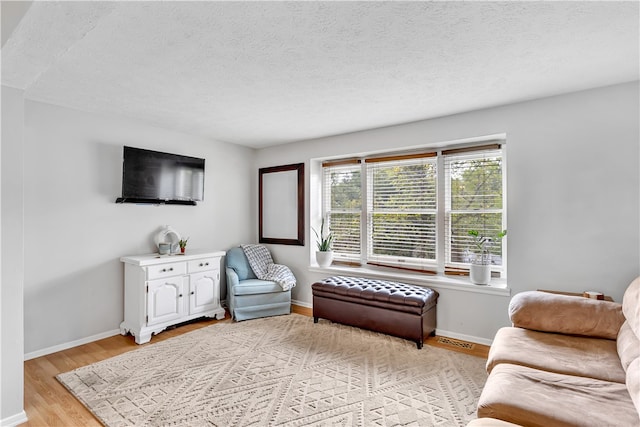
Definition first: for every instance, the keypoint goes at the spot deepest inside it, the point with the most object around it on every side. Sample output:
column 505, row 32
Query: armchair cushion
column 546, row 312
column 255, row 286
column 238, row 262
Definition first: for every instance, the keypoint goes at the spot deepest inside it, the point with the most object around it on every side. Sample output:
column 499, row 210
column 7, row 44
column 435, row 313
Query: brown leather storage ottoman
column 399, row 309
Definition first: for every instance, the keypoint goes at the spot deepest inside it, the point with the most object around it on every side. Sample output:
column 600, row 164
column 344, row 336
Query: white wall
column 573, row 196
column 11, row 260
column 75, row 233
column 572, row 192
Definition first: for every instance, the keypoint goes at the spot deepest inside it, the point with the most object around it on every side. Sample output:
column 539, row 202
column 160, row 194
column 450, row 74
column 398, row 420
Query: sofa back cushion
column 237, row 260
column 562, row 314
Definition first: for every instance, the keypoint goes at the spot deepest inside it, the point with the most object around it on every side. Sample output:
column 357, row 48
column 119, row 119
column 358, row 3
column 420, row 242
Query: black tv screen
column 156, row 177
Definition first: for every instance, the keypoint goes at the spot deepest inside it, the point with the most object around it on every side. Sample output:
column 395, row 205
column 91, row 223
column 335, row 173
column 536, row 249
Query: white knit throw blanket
column 262, row 265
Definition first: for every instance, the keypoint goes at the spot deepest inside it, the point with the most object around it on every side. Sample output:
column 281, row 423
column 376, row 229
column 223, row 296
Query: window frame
column 441, row 266
column 398, row 261
column 473, row 153
column 327, row 210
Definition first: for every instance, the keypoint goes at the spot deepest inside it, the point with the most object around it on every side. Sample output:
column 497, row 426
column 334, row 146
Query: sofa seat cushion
column 255, row 286
column 532, row 397
column 564, row 354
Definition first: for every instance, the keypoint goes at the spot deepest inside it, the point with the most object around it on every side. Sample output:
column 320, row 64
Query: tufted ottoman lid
column 383, row 293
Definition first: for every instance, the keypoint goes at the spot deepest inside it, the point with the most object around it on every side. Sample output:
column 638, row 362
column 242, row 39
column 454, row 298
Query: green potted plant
column 324, row 254
column 480, row 269
column 183, row 244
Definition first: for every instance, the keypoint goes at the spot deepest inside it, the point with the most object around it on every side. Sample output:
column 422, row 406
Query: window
column 415, row 211
column 473, row 201
column 342, row 204
column 401, row 210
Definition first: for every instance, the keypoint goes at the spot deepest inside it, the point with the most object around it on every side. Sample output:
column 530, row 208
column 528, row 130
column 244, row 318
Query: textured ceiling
column 266, row 73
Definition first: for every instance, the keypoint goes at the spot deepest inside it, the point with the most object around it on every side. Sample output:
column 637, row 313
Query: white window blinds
column 401, row 211
column 415, row 210
column 474, row 201
column 342, row 197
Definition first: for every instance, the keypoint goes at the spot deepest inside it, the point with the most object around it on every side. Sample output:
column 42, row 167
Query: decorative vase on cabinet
column 168, row 236
column 162, row 291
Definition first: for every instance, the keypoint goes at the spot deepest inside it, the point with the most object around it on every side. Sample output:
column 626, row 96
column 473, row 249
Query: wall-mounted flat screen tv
column 161, row 178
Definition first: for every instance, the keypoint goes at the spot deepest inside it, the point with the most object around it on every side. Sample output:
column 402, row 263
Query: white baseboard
column 60, row 347
column 463, row 337
column 14, row 420
column 64, row 346
column 302, row 303
column 441, row 332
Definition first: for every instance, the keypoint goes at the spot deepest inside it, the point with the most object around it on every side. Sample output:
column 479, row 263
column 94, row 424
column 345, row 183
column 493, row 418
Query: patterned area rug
column 281, row 371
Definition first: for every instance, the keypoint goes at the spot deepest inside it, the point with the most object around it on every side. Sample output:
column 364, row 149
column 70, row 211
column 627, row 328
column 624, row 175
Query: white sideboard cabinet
column 160, row 291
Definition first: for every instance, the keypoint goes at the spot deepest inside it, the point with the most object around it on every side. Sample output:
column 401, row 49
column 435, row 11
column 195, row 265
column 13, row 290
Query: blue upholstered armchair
column 249, row 297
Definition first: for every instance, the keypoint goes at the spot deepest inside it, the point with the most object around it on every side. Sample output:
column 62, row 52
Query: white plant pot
column 480, row 274
column 324, row 258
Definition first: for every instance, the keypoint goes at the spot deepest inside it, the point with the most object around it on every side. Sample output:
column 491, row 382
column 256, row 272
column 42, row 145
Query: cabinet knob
column 206, row 263
column 171, row 269
column 180, row 296
column 192, row 292
column 201, row 265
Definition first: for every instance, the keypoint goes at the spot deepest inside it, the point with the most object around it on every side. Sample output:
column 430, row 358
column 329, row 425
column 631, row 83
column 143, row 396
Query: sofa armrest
column 541, row 311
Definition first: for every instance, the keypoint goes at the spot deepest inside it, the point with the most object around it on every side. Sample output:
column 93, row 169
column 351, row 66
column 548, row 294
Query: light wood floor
column 48, row 403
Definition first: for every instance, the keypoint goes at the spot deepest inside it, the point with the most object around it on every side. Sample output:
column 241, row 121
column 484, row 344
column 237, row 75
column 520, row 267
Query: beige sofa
column 567, row 361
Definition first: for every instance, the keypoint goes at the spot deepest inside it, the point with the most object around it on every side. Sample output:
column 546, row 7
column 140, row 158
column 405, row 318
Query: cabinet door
column 204, row 292
column 165, row 300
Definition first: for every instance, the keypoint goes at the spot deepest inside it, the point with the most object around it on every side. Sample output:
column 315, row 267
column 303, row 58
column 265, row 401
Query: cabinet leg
column 143, row 338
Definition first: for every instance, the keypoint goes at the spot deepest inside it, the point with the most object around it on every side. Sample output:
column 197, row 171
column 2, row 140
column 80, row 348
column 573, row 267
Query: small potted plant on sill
column 324, row 254
column 183, row 244
column 480, row 269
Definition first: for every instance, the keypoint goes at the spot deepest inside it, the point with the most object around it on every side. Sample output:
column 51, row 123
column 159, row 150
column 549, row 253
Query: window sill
column 496, row 287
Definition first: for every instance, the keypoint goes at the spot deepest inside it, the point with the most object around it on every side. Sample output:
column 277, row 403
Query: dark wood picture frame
column 281, row 206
